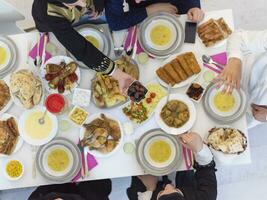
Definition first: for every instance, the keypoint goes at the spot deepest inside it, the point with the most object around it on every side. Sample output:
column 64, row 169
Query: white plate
column 16, row 100
column 56, row 60
column 94, row 33
column 166, row 163
column 7, row 106
column 219, row 43
column 163, row 22
column 185, row 82
column 96, row 153
column 8, row 53
column 187, row 126
column 19, row 144
column 237, row 105
column 32, row 141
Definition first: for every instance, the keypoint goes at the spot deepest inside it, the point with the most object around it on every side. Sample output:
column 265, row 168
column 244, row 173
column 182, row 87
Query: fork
column 34, row 150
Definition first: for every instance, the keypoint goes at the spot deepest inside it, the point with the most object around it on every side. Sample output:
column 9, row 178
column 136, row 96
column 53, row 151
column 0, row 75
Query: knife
column 83, row 161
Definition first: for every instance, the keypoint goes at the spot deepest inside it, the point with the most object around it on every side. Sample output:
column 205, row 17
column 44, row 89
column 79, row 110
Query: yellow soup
column 58, row 160
column 160, row 35
column 92, row 40
column 160, row 151
column 224, row 102
column 3, row 55
column 36, row 130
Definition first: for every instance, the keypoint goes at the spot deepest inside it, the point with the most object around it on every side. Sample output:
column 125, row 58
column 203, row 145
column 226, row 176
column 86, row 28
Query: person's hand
column 230, row 76
column 161, row 7
column 191, row 141
column 259, row 112
column 195, row 14
column 149, row 181
column 125, row 80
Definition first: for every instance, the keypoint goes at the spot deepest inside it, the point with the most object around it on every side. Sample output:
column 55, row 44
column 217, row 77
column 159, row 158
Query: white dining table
column 119, row 164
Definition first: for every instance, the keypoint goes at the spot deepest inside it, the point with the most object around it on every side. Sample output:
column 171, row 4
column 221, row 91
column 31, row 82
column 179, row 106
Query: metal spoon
column 42, row 119
column 208, row 60
column 168, row 92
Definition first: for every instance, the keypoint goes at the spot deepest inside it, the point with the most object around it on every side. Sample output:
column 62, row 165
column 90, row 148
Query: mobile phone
column 190, row 32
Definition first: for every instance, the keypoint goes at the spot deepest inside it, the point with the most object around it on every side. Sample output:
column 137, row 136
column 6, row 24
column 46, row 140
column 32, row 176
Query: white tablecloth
column 120, row 164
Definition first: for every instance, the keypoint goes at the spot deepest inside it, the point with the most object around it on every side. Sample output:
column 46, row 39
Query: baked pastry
column 8, row 135
column 213, row 31
column 4, row 94
column 227, row 140
column 26, row 87
column 179, row 69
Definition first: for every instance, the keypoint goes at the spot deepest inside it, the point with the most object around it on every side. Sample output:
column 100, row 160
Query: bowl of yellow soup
column 59, row 160
column 14, row 169
column 224, row 107
column 158, row 153
column 35, row 133
column 5, row 55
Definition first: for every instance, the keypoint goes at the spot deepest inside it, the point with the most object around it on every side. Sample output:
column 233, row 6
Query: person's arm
column 118, row 19
column 244, row 42
column 82, row 49
column 185, row 5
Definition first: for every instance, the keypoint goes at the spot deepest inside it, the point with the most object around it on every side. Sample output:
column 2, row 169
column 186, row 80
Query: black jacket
column 75, row 43
column 198, row 185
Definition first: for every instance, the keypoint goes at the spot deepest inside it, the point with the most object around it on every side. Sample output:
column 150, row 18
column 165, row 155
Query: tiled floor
column 235, row 183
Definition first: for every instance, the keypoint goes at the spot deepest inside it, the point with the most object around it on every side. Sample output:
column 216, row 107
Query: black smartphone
column 190, row 32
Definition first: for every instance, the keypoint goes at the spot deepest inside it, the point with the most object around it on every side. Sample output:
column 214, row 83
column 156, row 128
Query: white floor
column 235, row 183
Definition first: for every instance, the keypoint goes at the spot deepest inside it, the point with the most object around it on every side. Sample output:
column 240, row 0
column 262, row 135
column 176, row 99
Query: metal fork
column 34, row 150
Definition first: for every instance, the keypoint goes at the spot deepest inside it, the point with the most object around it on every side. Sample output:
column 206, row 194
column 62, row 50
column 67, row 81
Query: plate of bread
column 179, row 70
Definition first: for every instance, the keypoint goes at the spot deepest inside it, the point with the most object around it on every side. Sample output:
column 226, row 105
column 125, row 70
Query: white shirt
column 203, row 157
column 251, row 48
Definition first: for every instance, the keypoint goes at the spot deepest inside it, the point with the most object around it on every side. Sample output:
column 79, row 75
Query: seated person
column 119, row 17
column 247, row 67
column 190, row 185
column 88, row 190
column 58, row 16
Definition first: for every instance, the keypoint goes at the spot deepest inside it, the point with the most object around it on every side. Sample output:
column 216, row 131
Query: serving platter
column 227, row 117
column 97, row 153
column 189, row 80
column 11, row 49
column 185, row 127
column 57, row 60
column 158, row 169
column 164, row 19
column 72, row 151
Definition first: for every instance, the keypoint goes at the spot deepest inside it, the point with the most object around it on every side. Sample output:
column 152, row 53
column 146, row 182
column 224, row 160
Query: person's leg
column 60, row 188
column 185, row 179
column 99, row 189
column 135, row 187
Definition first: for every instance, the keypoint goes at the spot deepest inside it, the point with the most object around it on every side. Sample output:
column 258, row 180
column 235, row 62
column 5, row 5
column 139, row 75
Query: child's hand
column 259, row 112
column 161, row 7
column 230, row 76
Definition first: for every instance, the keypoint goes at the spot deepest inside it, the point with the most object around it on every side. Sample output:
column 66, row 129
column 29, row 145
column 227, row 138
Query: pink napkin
column 91, row 163
column 33, row 53
column 220, row 58
column 188, row 157
column 128, row 41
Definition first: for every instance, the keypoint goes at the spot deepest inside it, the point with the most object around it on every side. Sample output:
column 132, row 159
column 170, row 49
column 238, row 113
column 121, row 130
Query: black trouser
column 185, row 179
column 91, row 190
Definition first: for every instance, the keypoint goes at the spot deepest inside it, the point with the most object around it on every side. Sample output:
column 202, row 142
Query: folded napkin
column 33, row 53
column 220, row 58
column 188, row 157
column 91, row 163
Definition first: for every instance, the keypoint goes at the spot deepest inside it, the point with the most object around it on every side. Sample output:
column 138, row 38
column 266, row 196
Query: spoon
column 42, row 119
column 208, row 60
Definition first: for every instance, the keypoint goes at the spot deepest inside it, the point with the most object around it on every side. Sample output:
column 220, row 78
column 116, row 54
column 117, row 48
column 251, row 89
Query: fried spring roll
column 162, row 74
column 184, row 65
column 172, row 73
column 179, row 70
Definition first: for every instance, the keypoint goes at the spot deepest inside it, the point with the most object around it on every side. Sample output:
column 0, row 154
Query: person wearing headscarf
column 122, row 14
column 200, row 184
column 247, row 69
column 58, row 17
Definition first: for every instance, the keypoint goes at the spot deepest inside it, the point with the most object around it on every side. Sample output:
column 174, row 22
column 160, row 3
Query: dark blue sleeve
column 184, row 5
column 118, row 19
